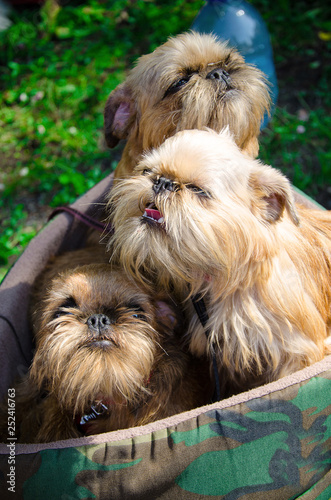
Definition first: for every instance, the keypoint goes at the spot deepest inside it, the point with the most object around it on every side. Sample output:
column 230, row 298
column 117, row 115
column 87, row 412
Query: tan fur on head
column 190, row 82
column 101, row 337
column 201, row 216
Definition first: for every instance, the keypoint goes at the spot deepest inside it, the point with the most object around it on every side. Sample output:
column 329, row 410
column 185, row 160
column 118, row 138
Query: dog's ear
column 166, row 314
column 120, row 112
column 273, row 194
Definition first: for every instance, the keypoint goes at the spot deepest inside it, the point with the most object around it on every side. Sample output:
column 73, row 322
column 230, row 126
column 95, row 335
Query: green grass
column 58, row 65
column 301, row 150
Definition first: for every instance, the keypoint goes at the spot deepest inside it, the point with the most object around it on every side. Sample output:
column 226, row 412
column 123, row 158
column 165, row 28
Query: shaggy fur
column 190, row 82
column 101, row 338
column 199, row 216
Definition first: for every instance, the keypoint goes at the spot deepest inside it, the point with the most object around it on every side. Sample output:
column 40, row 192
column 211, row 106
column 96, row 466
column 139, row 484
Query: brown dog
column 200, row 217
column 108, row 356
column 191, row 81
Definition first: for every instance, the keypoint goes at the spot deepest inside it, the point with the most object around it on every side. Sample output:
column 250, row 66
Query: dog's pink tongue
column 152, row 213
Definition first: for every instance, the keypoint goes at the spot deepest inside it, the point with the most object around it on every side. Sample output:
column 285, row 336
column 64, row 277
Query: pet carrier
column 271, row 442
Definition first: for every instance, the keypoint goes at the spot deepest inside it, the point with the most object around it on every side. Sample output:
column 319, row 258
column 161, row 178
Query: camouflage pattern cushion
column 272, row 442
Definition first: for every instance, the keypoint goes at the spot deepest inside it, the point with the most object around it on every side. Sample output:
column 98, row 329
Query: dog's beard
column 68, row 364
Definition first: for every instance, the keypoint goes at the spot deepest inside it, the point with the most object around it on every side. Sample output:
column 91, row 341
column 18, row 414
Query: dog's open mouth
column 152, row 214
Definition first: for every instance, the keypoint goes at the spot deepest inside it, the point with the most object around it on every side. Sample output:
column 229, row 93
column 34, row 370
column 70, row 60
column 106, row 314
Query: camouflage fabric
column 270, row 443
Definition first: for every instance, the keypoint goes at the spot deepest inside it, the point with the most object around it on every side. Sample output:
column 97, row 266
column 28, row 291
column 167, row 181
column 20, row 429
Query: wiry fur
column 261, row 262
column 145, row 112
column 136, row 364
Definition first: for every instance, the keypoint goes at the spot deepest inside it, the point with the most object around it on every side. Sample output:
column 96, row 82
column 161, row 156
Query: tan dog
column 191, row 81
column 201, row 217
column 108, row 356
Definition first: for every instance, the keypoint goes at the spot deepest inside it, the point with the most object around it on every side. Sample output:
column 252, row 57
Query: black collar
column 201, row 310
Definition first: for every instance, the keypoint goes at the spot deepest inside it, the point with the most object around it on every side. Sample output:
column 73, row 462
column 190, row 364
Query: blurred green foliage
column 58, row 64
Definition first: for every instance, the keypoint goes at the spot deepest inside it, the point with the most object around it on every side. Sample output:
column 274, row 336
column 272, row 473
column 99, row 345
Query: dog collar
column 96, row 410
column 201, row 310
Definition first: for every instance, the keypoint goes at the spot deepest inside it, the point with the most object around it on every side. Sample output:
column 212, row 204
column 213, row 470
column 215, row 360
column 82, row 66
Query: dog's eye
column 228, row 58
column 146, row 171
column 138, row 312
column 197, row 190
column 139, row 316
column 177, row 85
column 69, row 303
column 59, row 314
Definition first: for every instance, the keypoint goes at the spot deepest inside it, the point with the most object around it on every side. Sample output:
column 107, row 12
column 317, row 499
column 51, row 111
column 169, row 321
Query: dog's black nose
column 163, row 184
column 218, row 74
column 98, row 322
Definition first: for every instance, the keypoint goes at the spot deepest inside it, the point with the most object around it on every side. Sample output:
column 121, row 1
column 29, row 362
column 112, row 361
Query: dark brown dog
column 108, row 356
